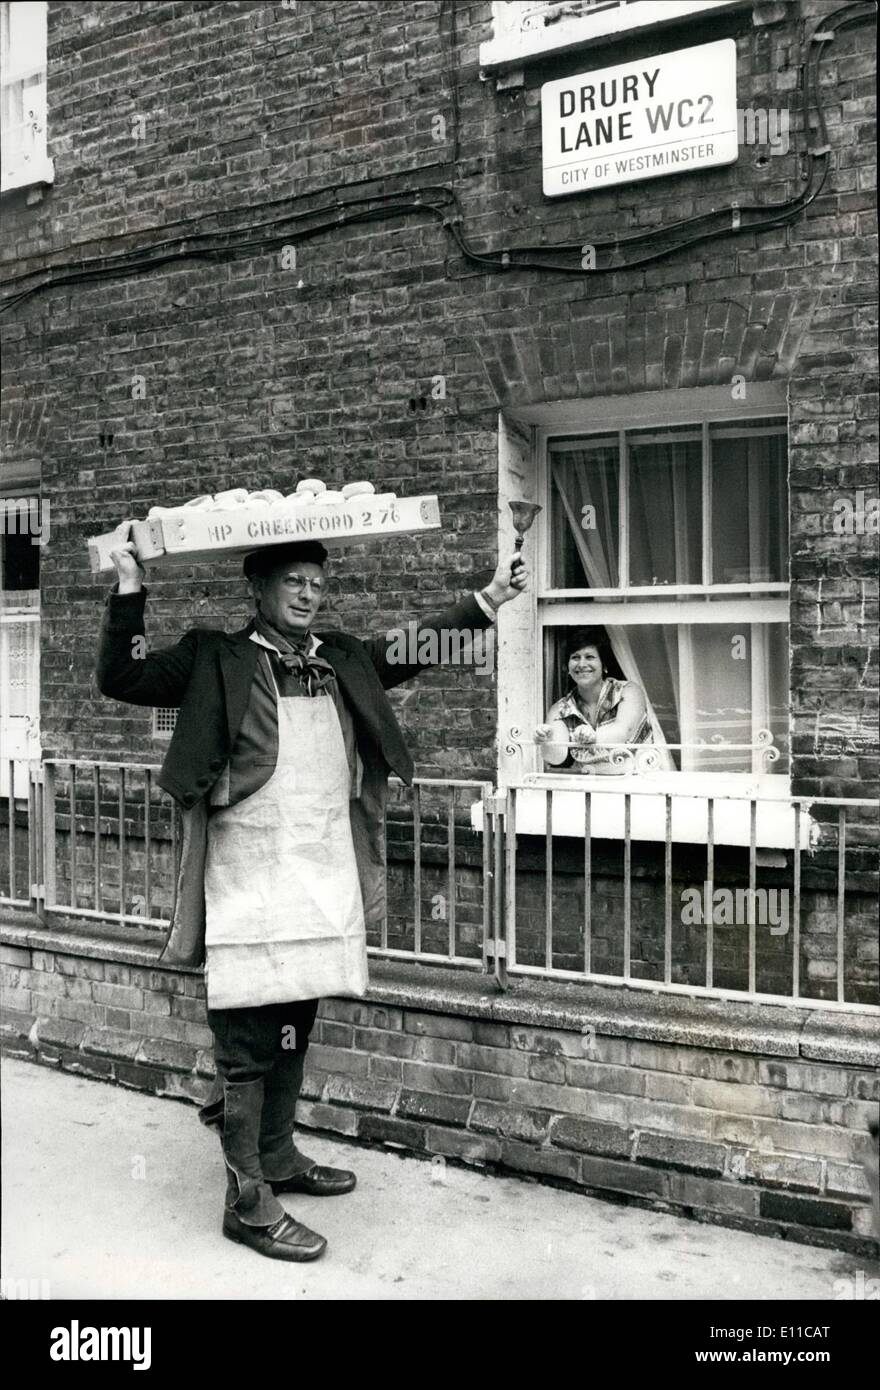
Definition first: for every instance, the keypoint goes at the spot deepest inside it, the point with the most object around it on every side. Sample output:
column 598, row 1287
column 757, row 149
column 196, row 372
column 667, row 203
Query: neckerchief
column 313, row 673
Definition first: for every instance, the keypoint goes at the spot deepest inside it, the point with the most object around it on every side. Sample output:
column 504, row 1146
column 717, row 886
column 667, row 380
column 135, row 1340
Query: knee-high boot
column 253, row 1215
column 279, row 1156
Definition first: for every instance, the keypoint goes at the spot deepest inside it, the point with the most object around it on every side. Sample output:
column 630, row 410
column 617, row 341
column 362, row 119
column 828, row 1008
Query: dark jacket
column 208, row 675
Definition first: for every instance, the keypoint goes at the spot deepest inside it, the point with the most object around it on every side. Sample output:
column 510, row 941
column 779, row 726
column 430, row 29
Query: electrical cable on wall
column 442, row 202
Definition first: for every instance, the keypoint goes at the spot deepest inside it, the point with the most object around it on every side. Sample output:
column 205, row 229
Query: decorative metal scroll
column 538, row 16
column 644, row 758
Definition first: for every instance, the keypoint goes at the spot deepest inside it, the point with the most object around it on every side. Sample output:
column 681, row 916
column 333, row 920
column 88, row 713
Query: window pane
column 20, row 567
column 707, row 687
column 665, row 511
column 716, row 662
column 749, row 509
column 584, row 516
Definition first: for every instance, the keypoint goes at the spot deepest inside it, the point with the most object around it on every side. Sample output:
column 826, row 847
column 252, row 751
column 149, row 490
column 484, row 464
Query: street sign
column 640, row 120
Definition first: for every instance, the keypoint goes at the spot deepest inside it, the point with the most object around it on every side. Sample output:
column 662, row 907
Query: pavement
column 109, row 1193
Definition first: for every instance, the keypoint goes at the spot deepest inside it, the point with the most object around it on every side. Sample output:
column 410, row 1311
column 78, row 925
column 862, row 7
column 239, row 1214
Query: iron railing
column 823, row 838
column 474, row 880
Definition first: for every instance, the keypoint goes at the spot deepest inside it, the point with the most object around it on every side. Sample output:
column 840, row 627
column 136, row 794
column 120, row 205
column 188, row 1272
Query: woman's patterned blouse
column 598, row 755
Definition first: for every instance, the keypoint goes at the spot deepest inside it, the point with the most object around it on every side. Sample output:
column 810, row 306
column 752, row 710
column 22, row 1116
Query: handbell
column 524, row 514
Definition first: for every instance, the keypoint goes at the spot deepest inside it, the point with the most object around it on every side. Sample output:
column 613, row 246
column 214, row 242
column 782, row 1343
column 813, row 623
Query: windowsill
column 736, row 785
column 732, row 798
column 42, row 171
column 509, row 48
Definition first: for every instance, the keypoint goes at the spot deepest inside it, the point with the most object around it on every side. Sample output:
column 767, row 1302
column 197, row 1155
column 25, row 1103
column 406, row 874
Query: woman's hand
column 552, row 740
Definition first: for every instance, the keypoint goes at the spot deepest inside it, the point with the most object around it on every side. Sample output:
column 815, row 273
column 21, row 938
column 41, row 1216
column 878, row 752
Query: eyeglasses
column 298, row 584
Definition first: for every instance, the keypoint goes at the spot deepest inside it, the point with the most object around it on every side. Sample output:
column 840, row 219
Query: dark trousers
column 260, row 1057
column 249, row 1042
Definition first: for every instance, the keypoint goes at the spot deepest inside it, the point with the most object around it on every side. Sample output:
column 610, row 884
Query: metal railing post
column 36, row 884
column 495, row 943
column 50, row 882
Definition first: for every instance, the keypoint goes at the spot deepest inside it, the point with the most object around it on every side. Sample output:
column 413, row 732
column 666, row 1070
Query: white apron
column 284, row 916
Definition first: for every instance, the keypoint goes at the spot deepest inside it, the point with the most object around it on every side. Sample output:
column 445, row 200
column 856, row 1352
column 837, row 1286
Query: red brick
column 118, row 996
column 388, row 1044
column 511, row 1121
column 53, row 1032
column 360, row 1094
column 491, row 1034
column 335, row 1118
column 99, row 1068
column 438, row 1026
column 15, row 955
column 685, row 1155
column 846, row 1180
column 15, row 1026
column 173, row 1056
column 402, row 1134
column 139, row 1078
column 525, row 1158
column 608, row 1175
column 707, row 1194
column 80, row 967
column 805, row 1211
column 547, row 1044
column 492, row 1059
column 108, row 1042
column 338, row 1060
column 461, row 1144
column 591, row 1136
column 314, row 1082
column 784, row 1170
column 422, row 1077
column 333, row 1034
column 386, row 1069
column 425, row 1105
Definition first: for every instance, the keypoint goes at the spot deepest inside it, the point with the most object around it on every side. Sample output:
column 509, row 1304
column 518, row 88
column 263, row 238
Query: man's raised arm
column 403, row 653
column 125, row 671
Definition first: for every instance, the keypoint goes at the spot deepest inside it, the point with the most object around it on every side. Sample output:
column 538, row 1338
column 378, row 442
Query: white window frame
column 523, row 444
column 19, row 733
column 526, row 30
column 25, row 160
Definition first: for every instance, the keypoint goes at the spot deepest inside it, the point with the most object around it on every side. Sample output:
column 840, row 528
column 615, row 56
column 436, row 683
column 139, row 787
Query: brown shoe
column 317, row 1182
column 285, row 1240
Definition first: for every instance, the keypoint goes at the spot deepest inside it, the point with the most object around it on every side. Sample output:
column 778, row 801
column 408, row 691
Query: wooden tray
column 193, row 535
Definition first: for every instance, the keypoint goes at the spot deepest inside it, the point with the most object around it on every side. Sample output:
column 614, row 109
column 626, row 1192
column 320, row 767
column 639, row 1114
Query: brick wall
column 184, row 118
column 749, row 1117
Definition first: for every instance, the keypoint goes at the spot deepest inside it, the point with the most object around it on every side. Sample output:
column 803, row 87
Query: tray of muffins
column 237, row 521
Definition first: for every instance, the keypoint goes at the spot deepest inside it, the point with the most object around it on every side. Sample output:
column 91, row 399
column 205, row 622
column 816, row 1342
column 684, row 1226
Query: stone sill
column 777, row 1030
column 35, row 176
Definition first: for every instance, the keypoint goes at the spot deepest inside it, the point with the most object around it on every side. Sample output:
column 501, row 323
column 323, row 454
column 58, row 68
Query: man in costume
column 280, row 761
